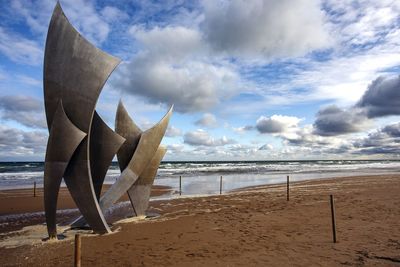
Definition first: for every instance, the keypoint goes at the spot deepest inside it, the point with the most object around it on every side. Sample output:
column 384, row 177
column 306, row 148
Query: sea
column 204, row 178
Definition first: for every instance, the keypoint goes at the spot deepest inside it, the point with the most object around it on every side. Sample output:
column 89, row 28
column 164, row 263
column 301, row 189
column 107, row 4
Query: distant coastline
column 202, row 177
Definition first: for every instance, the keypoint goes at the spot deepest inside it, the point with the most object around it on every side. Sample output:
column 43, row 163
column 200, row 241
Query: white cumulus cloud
column 265, row 28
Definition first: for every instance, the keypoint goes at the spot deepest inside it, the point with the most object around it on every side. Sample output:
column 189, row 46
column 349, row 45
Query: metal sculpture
column 139, row 192
column 139, row 158
column 81, row 146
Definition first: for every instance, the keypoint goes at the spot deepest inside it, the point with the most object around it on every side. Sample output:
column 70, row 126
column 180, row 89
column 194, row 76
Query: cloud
column 202, row 138
column 29, row 81
column 36, row 14
column 385, row 140
column 84, row 17
column 242, row 151
column 382, row 97
column 172, row 43
column 208, row 120
column 3, row 74
column 363, row 22
column 82, row 14
column 112, row 14
column 23, row 109
column 171, row 70
column 276, row 124
column 266, row 147
column 18, row 143
column 305, row 136
column 173, row 132
column 20, row 49
column 175, row 148
column 268, row 29
column 243, row 129
column 332, row 121
column 392, row 130
column 342, row 73
column 192, row 86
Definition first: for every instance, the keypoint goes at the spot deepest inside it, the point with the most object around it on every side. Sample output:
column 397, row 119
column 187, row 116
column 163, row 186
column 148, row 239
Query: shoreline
column 9, row 204
column 9, row 198
column 19, row 208
column 255, row 226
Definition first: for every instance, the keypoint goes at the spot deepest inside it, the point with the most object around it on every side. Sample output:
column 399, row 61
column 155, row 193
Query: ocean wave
column 25, row 174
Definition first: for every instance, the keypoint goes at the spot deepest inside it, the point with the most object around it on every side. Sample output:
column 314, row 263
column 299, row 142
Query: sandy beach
column 250, row 227
column 19, row 201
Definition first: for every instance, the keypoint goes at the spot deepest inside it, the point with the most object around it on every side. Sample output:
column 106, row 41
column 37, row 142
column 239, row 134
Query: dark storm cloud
column 382, row 97
column 268, row 125
column 382, row 141
column 333, row 121
column 378, row 150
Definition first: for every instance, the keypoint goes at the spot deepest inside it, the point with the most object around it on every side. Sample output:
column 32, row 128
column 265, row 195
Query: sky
column 249, row 80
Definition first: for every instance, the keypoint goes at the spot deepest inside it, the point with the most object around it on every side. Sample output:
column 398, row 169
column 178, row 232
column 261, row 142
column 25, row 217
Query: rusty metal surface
column 56, row 161
column 139, row 193
column 75, row 72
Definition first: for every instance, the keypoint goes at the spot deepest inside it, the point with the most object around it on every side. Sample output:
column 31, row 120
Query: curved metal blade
column 75, row 71
column 139, row 193
column 144, row 153
column 56, row 161
column 104, row 143
column 125, row 127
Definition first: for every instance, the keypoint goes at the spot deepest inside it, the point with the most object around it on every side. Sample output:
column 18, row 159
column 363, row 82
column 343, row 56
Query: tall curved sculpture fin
column 75, row 71
column 104, row 144
column 139, row 193
column 126, row 127
column 148, row 144
column 144, row 153
column 56, row 162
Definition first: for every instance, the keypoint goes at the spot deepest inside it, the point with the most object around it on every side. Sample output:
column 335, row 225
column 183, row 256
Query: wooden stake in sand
column 287, row 188
column 180, row 185
column 220, row 185
column 34, row 189
column 333, row 218
column 77, row 260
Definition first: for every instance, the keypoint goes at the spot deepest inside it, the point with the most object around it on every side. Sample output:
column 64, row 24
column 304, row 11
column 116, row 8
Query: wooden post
column 77, row 260
column 287, row 188
column 220, row 185
column 333, row 218
column 180, row 185
column 34, row 189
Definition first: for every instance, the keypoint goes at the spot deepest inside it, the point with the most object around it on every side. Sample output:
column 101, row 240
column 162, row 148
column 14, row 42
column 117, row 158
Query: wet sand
column 19, row 201
column 16, row 201
column 252, row 227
